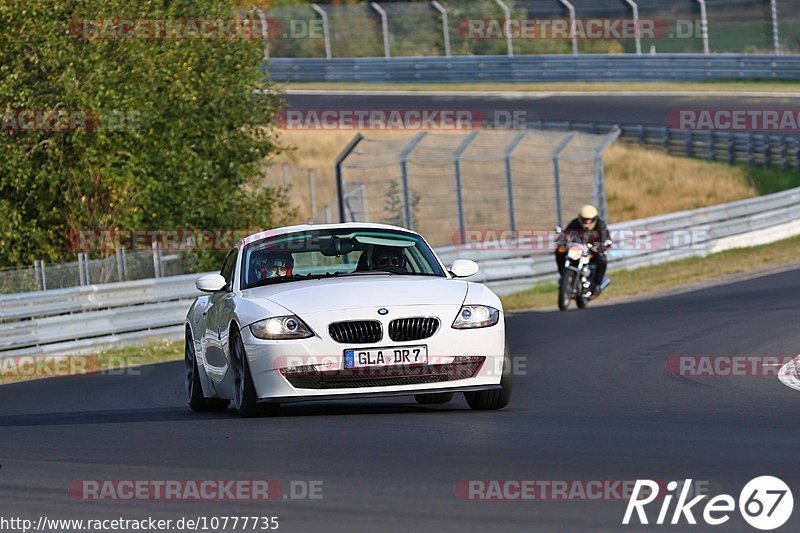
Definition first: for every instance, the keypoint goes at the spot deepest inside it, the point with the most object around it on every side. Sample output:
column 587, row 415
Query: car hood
column 335, row 294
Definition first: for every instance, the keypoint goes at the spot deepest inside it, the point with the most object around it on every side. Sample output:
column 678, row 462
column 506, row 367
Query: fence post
column 704, row 25
column 264, row 29
column 638, row 34
column 445, row 29
column 512, row 217
column 667, row 141
column 408, row 220
column 327, row 214
column 599, row 172
column 507, row 26
column 156, row 260
column 688, row 146
column 459, row 193
column 573, row 26
column 326, row 32
column 81, row 269
column 38, row 270
column 556, row 177
column 286, row 177
column 750, row 138
column 337, row 168
column 120, row 266
column 312, row 189
column 385, row 28
column 776, row 41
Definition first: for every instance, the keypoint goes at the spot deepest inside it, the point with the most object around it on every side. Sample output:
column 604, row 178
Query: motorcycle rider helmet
column 588, row 217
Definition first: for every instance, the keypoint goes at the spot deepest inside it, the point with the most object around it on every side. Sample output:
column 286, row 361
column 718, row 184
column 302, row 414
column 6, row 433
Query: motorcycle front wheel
column 565, row 289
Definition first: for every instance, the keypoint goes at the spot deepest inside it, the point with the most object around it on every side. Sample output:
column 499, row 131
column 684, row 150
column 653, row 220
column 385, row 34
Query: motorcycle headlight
column 575, row 252
column 476, row 316
column 281, row 327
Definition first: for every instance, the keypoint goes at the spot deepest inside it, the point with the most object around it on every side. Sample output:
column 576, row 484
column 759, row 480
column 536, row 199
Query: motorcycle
column 579, row 271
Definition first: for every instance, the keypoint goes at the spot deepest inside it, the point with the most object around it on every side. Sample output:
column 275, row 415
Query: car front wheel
column 486, row 400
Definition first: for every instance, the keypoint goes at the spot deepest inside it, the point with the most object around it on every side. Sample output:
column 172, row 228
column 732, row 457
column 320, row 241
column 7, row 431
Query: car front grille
column 385, row 376
column 412, row 329
column 356, row 331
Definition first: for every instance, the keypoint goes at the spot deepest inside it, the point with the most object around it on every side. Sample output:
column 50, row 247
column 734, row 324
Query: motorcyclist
column 587, row 228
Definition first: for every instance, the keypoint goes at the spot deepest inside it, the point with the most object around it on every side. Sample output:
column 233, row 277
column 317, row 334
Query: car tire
column 244, row 393
column 487, row 400
column 194, row 388
column 433, row 399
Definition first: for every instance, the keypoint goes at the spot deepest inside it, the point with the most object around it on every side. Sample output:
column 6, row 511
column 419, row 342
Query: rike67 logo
column 765, row 503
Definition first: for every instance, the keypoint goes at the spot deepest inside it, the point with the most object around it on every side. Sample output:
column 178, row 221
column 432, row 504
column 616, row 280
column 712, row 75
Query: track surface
column 627, row 109
column 596, row 403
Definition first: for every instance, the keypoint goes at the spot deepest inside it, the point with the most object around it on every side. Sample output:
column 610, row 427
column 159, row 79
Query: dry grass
column 639, row 182
column 642, row 183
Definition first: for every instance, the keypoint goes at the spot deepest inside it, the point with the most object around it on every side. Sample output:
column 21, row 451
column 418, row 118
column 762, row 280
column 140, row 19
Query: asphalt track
column 595, row 403
column 647, row 109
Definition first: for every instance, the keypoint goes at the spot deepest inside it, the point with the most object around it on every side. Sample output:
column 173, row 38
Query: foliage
column 175, row 137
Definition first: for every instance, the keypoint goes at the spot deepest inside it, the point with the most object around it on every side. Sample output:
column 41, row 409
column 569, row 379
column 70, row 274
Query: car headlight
column 476, row 316
column 281, row 327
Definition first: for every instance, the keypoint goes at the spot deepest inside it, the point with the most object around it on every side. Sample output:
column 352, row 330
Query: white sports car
column 343, row 311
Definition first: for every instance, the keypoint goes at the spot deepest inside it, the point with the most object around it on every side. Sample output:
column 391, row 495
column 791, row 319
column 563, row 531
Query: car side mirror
column 210, row 283
column 464, row 268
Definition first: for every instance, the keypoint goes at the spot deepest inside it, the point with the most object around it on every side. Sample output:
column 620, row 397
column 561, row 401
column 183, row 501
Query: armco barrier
column 533, row 68
column 70, row 321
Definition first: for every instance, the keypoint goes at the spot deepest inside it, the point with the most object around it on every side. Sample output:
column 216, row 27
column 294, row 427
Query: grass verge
column 670, row 276
column 589, row 87
column 114, row 361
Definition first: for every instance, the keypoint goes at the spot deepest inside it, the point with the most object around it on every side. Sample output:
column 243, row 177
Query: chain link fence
column 121, row 265
column 483, row 27
column 446, row 184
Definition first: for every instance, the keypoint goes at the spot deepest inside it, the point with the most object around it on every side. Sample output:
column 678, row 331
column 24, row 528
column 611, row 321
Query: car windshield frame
column 359, row 241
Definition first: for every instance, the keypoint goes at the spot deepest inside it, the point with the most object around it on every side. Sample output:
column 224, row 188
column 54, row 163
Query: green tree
column 175, row 138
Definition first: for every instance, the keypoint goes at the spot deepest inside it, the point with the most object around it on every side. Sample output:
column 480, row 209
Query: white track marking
column 788, row 373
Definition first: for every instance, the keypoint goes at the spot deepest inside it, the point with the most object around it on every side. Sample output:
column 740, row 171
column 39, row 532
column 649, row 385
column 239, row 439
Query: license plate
column 382, row 357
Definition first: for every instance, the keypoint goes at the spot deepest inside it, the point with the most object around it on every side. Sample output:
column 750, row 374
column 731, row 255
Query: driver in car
column 388, row 258
column 273, row 265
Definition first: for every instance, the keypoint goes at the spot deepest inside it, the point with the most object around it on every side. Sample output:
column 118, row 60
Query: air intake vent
column 356, row 332
column 412, row 329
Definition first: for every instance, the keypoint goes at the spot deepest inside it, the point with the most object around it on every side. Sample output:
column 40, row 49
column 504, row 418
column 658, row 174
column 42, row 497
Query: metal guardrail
column 70, row 321
column 685, row 234
column 596, row 67
column 747, row 148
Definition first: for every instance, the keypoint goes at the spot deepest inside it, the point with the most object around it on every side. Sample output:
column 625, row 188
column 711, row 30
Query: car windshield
column 336, row 252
